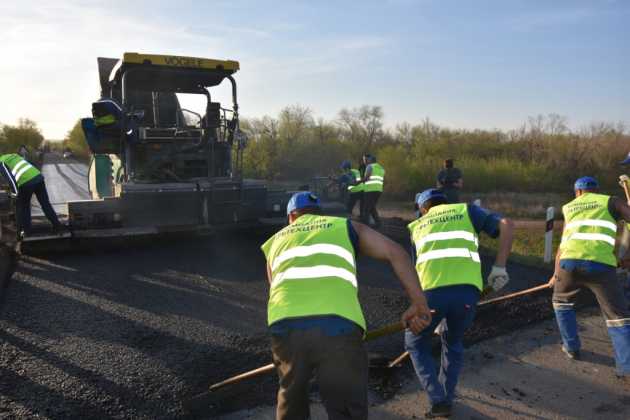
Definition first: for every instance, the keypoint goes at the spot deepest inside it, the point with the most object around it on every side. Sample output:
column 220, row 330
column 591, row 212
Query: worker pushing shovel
column 586, row 259
column 445, row 241
column 314, row 316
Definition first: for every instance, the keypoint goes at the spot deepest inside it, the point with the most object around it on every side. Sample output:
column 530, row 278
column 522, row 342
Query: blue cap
column 626, row 161
column 346, row 164
column 302, row 200
column 430, row 194
column 586, row 183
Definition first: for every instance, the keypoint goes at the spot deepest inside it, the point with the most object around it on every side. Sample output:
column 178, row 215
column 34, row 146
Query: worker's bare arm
column 554, row 277
column 506, row 235
column 375, row 245
column 622, row 209
column 380, row 247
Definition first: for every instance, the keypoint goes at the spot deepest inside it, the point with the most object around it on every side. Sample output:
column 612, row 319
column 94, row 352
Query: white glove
column 498, row 278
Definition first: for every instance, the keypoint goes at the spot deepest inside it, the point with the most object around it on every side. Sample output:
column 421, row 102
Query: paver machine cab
column 159, row 166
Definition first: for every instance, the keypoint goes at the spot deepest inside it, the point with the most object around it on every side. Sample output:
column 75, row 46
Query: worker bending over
column 586, row 258
column 354, row 186
column 26, row 180
column 445, row 240
column 373, row 180
column 314, row 315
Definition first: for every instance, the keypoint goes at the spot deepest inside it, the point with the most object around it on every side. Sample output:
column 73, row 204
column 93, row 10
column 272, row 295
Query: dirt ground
column 523, row 375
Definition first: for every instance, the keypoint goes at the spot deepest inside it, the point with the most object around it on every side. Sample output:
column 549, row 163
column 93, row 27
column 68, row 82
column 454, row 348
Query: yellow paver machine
column 159, row 166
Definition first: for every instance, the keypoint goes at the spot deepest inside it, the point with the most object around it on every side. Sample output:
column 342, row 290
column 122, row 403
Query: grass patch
column 528, row 247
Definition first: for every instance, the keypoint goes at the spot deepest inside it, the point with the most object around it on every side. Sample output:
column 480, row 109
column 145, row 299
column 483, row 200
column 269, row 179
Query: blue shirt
column 331, row 325
column 484, row 220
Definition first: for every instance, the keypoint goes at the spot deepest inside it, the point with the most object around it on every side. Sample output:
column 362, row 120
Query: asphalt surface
column 134, row 331
column 522, row 375
column 66, row 180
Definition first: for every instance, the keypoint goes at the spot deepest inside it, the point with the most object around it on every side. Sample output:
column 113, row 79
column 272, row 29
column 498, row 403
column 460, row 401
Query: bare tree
column 294, row 120
column 363, row 126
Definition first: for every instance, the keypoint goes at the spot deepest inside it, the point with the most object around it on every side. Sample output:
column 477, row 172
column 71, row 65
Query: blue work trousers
column 457, row 304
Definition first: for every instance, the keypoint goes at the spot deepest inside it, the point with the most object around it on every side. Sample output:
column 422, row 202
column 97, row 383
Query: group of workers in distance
column 364, row 186
column 315, row 318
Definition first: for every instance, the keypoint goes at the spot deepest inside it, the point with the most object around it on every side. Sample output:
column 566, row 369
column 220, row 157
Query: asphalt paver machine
column 158, row 166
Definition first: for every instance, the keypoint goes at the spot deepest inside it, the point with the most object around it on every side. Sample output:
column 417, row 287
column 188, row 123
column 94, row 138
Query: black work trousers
column 339, row 364
column 35, row 186
column 353, row 199
column 370, row 199
column 604, row 286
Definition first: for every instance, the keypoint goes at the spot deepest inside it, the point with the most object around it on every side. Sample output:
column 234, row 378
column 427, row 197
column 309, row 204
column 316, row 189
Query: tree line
column 24, row 133
column 541, row 155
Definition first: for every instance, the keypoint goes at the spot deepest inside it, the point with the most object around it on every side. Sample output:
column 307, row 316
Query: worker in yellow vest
column 373, row 181
column 445, row 241
column 354, row 185
column 26, row 180
column 586, row 258
column 314, row 315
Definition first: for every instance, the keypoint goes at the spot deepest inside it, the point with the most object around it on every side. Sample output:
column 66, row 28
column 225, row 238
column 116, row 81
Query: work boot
column 441, row 409
column 571, row 354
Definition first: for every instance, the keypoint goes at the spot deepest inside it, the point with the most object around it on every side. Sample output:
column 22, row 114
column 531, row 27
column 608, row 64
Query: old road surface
column 131, row 331
column 66, row 180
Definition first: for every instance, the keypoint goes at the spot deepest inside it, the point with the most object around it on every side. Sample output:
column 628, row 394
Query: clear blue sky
column 480, row 64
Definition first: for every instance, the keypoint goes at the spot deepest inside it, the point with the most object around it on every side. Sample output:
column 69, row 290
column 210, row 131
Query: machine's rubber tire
column 8, row 261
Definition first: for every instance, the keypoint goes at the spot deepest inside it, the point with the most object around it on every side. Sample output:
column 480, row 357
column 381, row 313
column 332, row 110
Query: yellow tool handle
column 513, row 295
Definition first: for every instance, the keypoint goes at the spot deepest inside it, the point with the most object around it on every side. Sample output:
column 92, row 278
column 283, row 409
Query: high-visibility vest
column 20, row 168
column 589, row 230
column 313, row 271
column 357, row 178
column 376, row 179
column 447, row 247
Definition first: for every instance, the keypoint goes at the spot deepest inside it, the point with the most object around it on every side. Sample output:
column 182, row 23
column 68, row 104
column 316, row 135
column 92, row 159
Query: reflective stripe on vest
column 446, row 247
column 305, row 251
column 20, row 168
column 443, row 236
column 358, row 187
column 448, row 253
column 317, row 271
column 313, row 270
column 590, row 230
column 376, row 179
